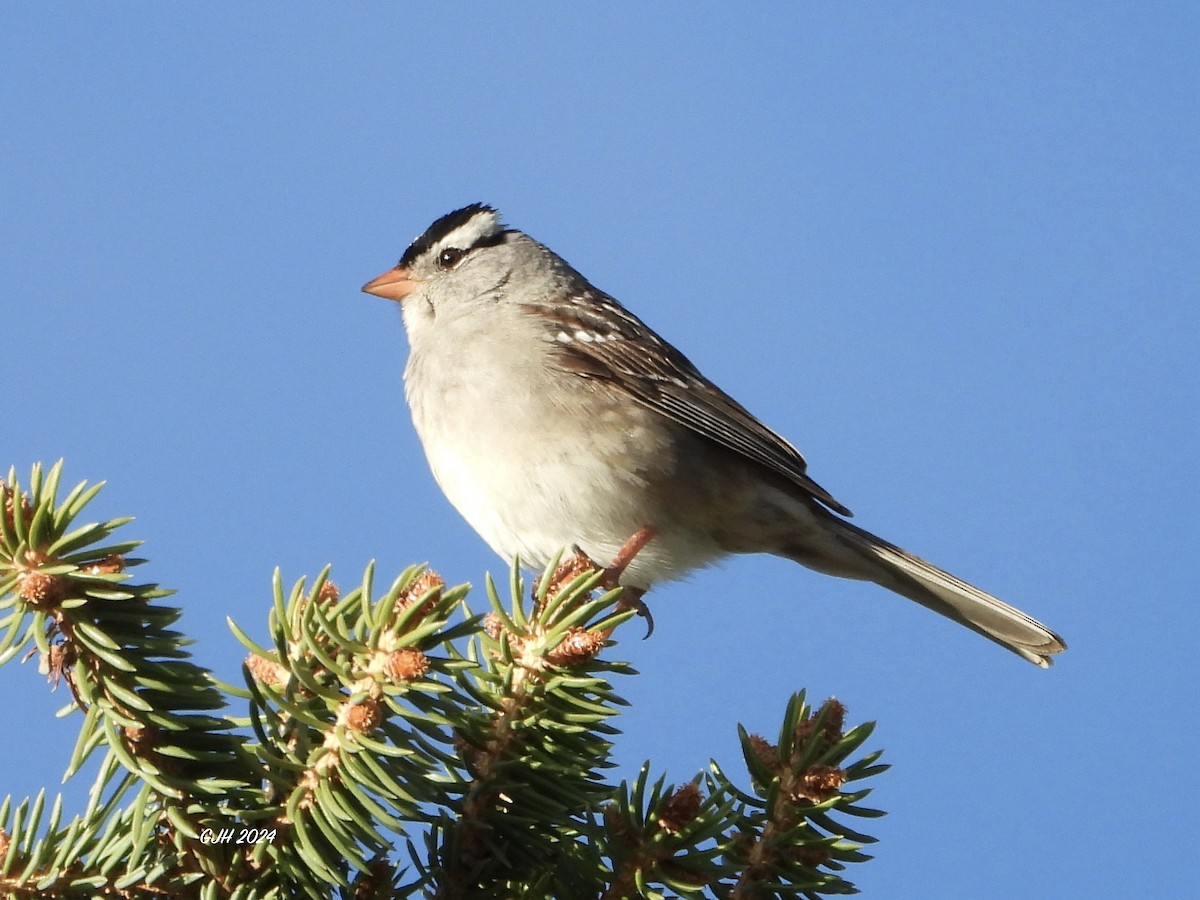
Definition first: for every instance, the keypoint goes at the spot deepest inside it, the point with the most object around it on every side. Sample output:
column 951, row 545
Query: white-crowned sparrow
column 552, row 416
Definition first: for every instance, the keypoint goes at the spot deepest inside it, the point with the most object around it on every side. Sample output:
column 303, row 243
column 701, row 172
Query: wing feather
column 595, row 337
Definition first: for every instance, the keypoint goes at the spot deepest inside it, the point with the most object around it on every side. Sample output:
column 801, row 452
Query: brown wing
column 596, row 337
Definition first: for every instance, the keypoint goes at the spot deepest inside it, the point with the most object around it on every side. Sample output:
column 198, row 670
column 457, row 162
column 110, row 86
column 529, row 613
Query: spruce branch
column 66, row 590
column 532, row 750
column 393, row 744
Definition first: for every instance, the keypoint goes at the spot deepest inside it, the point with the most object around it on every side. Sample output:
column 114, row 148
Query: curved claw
column 632, row 599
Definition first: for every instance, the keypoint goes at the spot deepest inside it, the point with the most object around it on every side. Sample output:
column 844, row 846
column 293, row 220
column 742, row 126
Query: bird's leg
column 629, row 550
column 632, row 597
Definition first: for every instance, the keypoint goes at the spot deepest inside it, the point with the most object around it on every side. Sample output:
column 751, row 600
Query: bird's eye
column 450, row 256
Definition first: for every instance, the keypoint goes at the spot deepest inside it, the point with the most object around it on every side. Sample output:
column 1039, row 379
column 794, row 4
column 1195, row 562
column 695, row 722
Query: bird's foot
column 579, row 563
column 632, row 597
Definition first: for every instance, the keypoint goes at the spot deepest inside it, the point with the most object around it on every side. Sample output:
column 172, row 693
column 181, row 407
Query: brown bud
column 835, row 719
column 568, row 570
column 831, row 729
column 427, row 581
column 681, row 809
column 9, row 513
column 140, row 738
column 406, row 664
column 365, row 715
column 819, row 783
column 328, row 593
column 493, row 625
column 576, row 648
column 110, row 565
column 767, row 753
column 267, row 671
column 40, row 590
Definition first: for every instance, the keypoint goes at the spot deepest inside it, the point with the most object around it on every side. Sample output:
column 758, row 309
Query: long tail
column 914, row 578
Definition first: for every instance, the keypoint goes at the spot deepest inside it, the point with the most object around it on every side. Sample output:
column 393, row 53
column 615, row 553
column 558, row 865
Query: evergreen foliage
column 391, row 743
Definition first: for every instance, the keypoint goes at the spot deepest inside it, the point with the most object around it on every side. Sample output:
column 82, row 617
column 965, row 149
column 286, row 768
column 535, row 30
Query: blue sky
column 950, row 250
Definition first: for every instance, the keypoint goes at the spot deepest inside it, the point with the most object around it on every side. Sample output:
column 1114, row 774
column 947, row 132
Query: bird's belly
column 531, row 492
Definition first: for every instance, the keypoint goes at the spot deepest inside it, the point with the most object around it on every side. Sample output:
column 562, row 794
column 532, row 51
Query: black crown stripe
column 439, row 229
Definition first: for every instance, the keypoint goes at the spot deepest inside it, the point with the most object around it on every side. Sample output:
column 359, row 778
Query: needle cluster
column 387, row 742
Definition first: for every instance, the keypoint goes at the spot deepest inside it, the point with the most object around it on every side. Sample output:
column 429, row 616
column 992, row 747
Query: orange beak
column 394, row 284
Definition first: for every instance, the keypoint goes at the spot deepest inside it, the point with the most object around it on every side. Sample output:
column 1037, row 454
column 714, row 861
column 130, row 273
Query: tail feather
column 914, row 578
